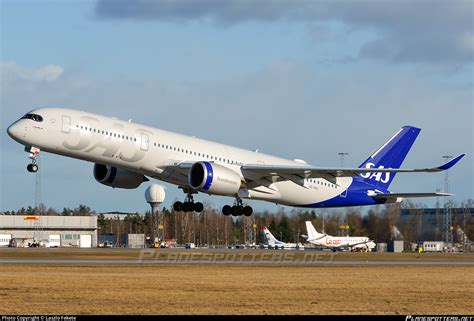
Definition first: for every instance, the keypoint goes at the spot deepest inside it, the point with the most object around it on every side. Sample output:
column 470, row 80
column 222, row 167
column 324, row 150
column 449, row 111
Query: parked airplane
column 274, row 243
column 125, row 154
column 338, row 242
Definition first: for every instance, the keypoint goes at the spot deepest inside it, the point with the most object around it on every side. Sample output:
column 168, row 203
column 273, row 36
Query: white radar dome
column 155, row 194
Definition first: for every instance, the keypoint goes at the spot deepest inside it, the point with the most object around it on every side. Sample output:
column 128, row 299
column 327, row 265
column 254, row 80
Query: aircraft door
column 66, row 125
column 145, row 142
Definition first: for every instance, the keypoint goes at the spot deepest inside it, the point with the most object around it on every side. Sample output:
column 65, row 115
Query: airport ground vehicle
column 159, row 245
column 106, row 244
column 189, row 246
column 433, row 246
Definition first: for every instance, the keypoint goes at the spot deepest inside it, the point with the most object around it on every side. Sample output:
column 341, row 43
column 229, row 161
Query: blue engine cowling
column 117, row 177
column 213, row 178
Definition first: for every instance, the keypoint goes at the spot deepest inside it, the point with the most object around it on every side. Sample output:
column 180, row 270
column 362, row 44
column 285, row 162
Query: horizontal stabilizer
column 409, row 195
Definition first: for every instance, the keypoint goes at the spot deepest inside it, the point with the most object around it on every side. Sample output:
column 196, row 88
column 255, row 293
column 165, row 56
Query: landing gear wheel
column 178, row 206
column 236, row 210
column 32, row 168
column 227, row 210
column 188, row 207
column 198, row 207
column 247, row 210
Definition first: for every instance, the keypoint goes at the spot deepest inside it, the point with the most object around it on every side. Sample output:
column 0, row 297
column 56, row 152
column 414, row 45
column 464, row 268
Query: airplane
column 126, row 154
column 276, row 244
column 338, row 242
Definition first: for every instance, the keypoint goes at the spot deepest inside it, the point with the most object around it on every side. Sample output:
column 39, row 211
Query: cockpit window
column 34, row 117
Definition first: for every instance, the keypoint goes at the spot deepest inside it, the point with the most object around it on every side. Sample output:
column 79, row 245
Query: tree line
column 212, row 228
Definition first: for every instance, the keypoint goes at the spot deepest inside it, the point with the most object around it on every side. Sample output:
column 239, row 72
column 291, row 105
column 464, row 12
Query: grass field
column 220, row 289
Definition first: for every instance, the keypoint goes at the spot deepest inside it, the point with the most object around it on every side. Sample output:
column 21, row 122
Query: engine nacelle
column 214, row 179
column 117, row 177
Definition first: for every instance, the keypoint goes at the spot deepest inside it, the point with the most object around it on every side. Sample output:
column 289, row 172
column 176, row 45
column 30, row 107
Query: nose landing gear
column 34, row 152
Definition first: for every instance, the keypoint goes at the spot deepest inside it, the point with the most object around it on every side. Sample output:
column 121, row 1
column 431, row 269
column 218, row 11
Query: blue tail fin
column 390, row 155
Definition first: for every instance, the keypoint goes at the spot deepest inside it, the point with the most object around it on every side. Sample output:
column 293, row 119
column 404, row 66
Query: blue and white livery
column 274, row 243
column 126, row 154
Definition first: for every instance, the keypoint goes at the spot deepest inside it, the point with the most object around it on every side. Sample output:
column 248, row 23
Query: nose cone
column 14, row 131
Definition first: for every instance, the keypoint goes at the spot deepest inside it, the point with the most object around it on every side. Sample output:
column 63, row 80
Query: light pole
column 297, row 238
column 448, row 234
column 322, row 215
column 341, row 156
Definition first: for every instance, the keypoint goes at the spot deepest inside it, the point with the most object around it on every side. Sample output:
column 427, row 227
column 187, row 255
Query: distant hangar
column 49, row 231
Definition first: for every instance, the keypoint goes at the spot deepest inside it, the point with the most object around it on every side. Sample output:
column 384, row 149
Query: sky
column 298, row 79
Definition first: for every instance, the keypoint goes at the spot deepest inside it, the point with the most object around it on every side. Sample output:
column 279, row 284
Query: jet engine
column 117, row 177
column 214, row 179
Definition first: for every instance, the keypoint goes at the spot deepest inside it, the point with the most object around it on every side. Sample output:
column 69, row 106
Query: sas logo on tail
column 376, row 176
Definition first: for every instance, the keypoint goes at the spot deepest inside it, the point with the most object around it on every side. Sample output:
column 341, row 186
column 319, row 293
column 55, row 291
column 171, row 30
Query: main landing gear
column 34, row 152
column 188, row 205
column 238, row 209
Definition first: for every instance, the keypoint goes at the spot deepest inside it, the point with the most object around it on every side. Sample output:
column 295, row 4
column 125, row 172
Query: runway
column 251, row 257
column 202, row 262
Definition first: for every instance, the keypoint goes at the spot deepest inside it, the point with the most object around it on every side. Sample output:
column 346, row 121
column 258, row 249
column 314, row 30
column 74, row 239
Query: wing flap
column 409, row 195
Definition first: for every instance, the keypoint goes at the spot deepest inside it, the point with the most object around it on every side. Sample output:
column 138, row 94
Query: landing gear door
column 145, row 142
column 66, row 125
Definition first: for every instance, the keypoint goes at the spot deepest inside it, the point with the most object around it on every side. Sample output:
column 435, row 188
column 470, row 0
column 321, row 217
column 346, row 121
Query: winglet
column 451, row 163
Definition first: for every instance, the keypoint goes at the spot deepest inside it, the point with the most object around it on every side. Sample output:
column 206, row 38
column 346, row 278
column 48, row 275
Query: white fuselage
column 153, row 152
column 272, row 242
column 341, row 242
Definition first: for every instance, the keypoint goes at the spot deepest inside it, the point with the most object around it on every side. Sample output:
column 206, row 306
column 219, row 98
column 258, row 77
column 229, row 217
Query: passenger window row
column 107, row 133
column 199, row 154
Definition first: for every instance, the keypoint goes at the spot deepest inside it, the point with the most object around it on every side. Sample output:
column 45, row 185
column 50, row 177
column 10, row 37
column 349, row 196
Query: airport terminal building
column 49, row 231
column 428, row 224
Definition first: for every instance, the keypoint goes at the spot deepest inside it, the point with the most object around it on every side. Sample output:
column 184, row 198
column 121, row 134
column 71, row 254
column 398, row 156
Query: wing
column 330, row 174
column 360, row 243
column 178, row 169
column 184, row 166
